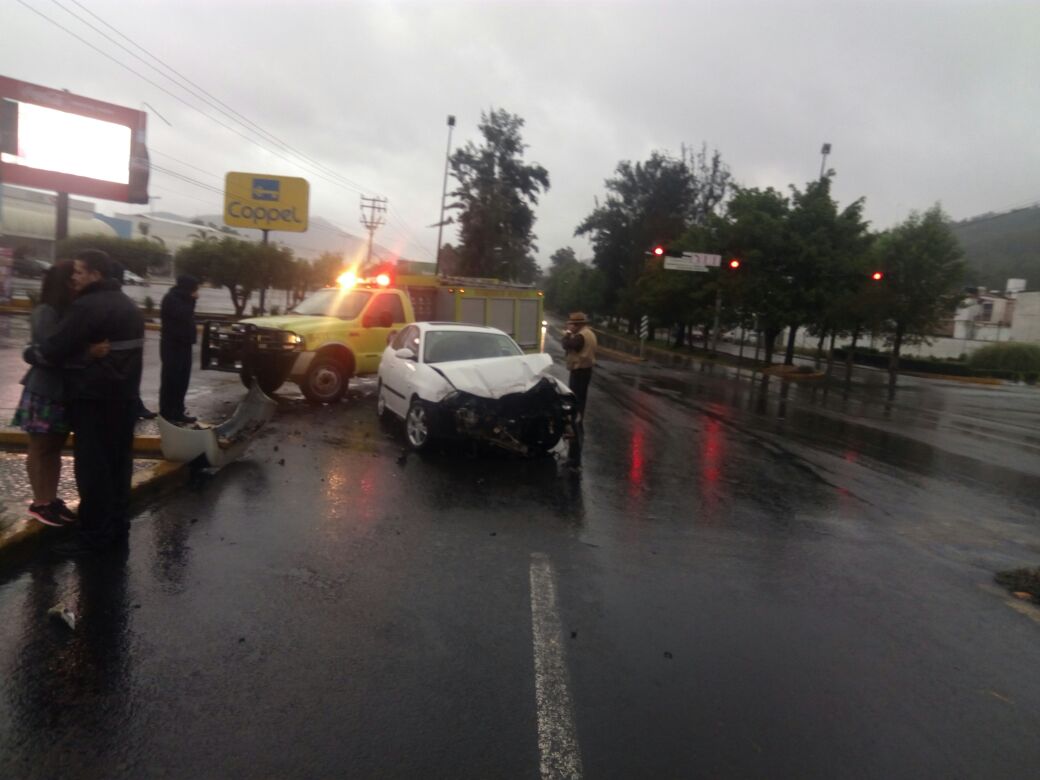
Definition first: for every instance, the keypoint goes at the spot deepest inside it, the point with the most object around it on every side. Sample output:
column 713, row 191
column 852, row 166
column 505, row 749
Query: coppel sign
column 258, row 200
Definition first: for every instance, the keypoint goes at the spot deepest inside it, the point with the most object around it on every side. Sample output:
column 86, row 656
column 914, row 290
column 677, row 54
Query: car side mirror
column 405, row 353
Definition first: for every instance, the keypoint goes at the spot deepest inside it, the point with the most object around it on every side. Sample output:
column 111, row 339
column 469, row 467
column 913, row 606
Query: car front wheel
column 380, row 401
column 417, row 425
column 325, row 382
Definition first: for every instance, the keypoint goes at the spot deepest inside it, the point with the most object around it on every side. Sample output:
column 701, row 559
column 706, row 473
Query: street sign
column 258, row 200
column 692, row 261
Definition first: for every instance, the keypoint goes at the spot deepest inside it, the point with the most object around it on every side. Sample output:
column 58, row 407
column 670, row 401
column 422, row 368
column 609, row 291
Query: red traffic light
column 734, row 264
column 658, row 250
column 877, row 276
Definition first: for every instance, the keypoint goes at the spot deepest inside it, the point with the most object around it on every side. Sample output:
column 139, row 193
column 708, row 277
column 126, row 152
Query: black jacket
column 100, row 312
column 178, row 317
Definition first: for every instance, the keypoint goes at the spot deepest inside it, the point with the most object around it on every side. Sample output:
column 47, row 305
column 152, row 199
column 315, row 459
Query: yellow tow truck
column 340, row 332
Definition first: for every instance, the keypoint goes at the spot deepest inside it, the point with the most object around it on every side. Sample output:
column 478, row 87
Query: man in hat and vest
column 579, row 344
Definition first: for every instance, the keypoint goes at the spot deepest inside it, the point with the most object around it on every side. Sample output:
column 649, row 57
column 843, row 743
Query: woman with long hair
column 41, row 410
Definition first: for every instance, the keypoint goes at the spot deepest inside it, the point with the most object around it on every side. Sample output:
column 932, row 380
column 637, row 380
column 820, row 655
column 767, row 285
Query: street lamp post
column 444, row 195
column 823, row 162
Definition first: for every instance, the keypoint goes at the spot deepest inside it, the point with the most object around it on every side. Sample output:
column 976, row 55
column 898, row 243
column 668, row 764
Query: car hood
column 298, row 323
column 496, row 377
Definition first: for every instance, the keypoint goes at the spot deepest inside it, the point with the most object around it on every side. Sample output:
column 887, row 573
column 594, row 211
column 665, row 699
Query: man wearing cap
column 579, row 344
column 175, row 343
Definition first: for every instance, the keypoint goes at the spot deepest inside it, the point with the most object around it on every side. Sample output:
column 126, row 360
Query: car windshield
column 445, row 346
column 334, row 302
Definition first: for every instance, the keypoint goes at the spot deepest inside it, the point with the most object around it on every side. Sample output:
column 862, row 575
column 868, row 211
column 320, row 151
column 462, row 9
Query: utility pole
column 373, row 215
column 444, row 195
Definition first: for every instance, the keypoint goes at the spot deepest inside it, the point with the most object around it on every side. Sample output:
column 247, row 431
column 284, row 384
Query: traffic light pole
column 718, row 313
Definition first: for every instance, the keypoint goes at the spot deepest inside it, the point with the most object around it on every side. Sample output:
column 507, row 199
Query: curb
column 143, row 445
column 26, row 536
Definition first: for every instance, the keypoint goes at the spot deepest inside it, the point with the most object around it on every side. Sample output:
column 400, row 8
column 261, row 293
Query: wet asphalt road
column 745, row 581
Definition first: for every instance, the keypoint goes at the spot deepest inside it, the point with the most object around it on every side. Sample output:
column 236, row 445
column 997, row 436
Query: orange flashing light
column 734, row 264
column 877, row 276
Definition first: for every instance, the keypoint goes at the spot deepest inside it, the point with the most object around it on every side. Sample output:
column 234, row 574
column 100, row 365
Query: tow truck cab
column 337, row 333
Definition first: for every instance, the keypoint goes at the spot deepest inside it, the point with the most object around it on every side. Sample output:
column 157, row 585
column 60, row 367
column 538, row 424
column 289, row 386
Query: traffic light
column 734, row 264
column 661, row 250
column 877, row 276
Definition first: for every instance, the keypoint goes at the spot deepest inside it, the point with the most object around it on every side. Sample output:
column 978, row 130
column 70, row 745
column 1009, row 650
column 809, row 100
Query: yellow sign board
column 258, row 200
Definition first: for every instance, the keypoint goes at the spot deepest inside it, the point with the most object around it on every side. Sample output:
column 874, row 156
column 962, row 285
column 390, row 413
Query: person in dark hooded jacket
column 178, row 336
column 102, row 398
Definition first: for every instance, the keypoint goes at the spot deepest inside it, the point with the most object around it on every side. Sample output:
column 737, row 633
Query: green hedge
column 1008, row 356
column 872, row 357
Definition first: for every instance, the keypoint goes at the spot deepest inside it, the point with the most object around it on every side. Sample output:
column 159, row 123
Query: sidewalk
column 20, row 535
column 210, row 396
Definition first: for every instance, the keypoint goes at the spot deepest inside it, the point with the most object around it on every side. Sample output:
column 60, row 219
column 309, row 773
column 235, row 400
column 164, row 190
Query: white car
column 129, row 277
column 447, row 379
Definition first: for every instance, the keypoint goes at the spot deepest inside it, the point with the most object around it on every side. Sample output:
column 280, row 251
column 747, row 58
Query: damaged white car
column 449, row 380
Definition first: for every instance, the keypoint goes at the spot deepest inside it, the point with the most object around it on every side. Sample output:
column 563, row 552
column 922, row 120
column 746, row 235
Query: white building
column 1026, row 324
column 28, row 219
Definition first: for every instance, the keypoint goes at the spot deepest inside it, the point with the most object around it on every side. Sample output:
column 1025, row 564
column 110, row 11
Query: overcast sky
column 921, row 101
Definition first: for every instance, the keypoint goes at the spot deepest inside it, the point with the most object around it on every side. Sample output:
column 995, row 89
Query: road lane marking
column 557, row 737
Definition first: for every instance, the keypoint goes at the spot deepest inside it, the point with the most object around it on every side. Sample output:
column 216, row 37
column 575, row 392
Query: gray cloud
column 923, row 102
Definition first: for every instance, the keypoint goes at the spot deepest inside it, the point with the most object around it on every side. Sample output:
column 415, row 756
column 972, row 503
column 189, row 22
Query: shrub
column 149, row 305
column 275, row 311
column 1008, row 356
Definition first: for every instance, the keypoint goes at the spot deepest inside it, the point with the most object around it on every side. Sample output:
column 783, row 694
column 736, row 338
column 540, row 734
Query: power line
column 317, row 168
column 221, row 106
column 175, row 96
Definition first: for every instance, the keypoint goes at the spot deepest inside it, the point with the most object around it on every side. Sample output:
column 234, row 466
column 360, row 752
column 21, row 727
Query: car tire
column 326, row 381
column 381, row 410
column 268, row 381
column 417, row 426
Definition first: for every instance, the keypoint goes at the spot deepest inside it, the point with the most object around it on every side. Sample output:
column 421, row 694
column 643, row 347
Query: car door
column 398, row 374
column 383, row 313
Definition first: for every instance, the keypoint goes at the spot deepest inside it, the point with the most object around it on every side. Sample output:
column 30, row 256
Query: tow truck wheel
column 268, row 382
column 325, row 382
column 417, row 425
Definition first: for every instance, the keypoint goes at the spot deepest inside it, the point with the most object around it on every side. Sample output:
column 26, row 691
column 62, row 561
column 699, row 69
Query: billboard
column 54, row 140
column 259, row 200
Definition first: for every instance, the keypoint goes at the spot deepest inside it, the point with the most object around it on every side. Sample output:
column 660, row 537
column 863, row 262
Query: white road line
column 557, row 737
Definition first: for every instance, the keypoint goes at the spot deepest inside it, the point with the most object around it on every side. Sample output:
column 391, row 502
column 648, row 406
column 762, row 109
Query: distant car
column 30, row 267
column 451, row 380
column 129, row 277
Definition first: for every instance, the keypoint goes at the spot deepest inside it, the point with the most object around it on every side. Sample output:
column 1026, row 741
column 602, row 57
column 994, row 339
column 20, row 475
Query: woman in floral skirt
column 41, row 410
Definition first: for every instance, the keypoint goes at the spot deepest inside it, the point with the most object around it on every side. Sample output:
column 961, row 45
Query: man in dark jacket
column 102, row 398
column 178, row 336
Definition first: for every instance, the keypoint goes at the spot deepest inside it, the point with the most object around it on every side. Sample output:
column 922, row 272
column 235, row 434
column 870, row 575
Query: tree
column 823, row 244
column 575, row 287
column 649, row 203
column 230, row 263
column 754, row 230
column 495, row 192
column 923, row 271
column 135, row 254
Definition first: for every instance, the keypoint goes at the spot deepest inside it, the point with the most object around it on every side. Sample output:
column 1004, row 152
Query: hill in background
column 998, row 247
